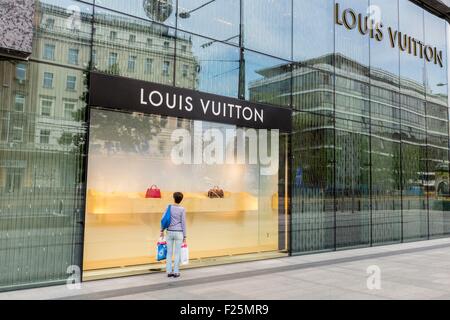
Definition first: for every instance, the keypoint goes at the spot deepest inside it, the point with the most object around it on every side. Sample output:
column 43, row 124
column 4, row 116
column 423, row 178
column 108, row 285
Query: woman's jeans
column 174, row 242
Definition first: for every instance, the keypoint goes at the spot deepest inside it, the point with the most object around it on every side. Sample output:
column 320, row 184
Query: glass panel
column 218, row 19
column 207, row 65
column 352, row 183
column 312, row 183
column 307, row 44
column 386, row 183
column 352, row 112
column 117, row 56
column 437, row 127
column 268, row 27
column 267, row 79
column 41, row 186
column 131, row 152
column 415, row 175
column 385, row 129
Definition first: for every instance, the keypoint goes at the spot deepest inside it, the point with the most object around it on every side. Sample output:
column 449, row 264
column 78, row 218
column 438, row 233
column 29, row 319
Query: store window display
column 232, row 206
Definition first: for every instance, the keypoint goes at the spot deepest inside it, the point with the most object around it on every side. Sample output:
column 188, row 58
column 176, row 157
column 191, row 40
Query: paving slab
column 416, row 270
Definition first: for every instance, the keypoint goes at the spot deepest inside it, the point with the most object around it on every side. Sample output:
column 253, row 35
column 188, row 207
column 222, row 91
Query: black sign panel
column 115, row 92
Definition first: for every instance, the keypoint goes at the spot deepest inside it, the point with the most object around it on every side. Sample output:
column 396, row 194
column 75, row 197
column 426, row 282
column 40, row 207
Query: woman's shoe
column 176, row 275
column 170, row 275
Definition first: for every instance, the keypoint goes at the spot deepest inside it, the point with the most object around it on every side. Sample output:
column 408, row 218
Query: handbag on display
column 153, row 192
column 184, row 254
column 215, row 192
column 161, row 250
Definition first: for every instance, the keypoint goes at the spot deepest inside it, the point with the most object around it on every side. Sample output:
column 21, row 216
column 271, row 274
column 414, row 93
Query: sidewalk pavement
column 419, row 270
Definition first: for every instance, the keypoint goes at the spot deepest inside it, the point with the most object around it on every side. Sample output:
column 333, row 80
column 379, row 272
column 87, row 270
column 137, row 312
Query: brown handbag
column 215, row 192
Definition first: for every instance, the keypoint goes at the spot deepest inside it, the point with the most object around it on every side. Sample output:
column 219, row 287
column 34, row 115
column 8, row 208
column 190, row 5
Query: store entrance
column 130, row 152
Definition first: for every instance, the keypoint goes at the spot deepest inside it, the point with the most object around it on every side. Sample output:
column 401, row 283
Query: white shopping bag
column 184, row 254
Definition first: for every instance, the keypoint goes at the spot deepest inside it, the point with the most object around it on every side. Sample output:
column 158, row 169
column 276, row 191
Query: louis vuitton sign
column 366, row 26
column 114, row 92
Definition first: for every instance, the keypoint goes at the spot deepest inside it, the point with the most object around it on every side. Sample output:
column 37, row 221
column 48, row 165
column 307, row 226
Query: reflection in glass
column 267, row 79
column 217, row 19
column 411, row 22
column 312, row 183
column 313, row 88
column 352, row 112
column 153, row 45
column 306, row 42
column 352, row 183
column 415, row 176
column 385, row 131
column 207, row 65
column 42, row 152
column 269, row 27
column 437, row 129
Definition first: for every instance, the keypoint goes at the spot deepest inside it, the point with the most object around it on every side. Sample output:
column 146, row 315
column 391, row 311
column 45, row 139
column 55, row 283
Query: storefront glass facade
column 367, row 159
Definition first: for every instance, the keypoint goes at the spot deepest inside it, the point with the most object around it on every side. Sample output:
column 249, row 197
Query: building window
column 185, row 70
column 183, row 48
column 73, row 56
column 17, row 134
column 50, row 23
column 166, row 45
column 71, row 83
column 149, row 42
column 132, row 38
column 49, row 51
column 19, row 103
column 94, row 57
column 113, row 36
column 21, row 71
column 112, row 59
column 132, row 63
column 164, row 121
column 166, row 67
column 13, row 180
column 148, row 65
column 46, row 107
column 69, row 109
column 44, row 137
column 48, row 80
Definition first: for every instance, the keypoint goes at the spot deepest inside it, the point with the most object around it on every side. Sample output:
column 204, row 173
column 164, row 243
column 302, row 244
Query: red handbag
column 153, row 192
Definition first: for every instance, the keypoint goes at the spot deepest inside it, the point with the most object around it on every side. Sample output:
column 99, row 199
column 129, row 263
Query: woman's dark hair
column 178, row 197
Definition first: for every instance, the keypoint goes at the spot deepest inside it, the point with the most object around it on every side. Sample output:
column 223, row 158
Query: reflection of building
column 377, row 102
column 47, row 101
column 366, row 145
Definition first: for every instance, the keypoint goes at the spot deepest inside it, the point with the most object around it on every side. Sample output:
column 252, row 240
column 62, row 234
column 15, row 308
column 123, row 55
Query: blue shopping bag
column 161, row 250
column 165, row 221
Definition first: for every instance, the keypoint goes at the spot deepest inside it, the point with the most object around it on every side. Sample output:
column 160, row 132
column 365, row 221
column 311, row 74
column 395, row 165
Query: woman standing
column 176, row 235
